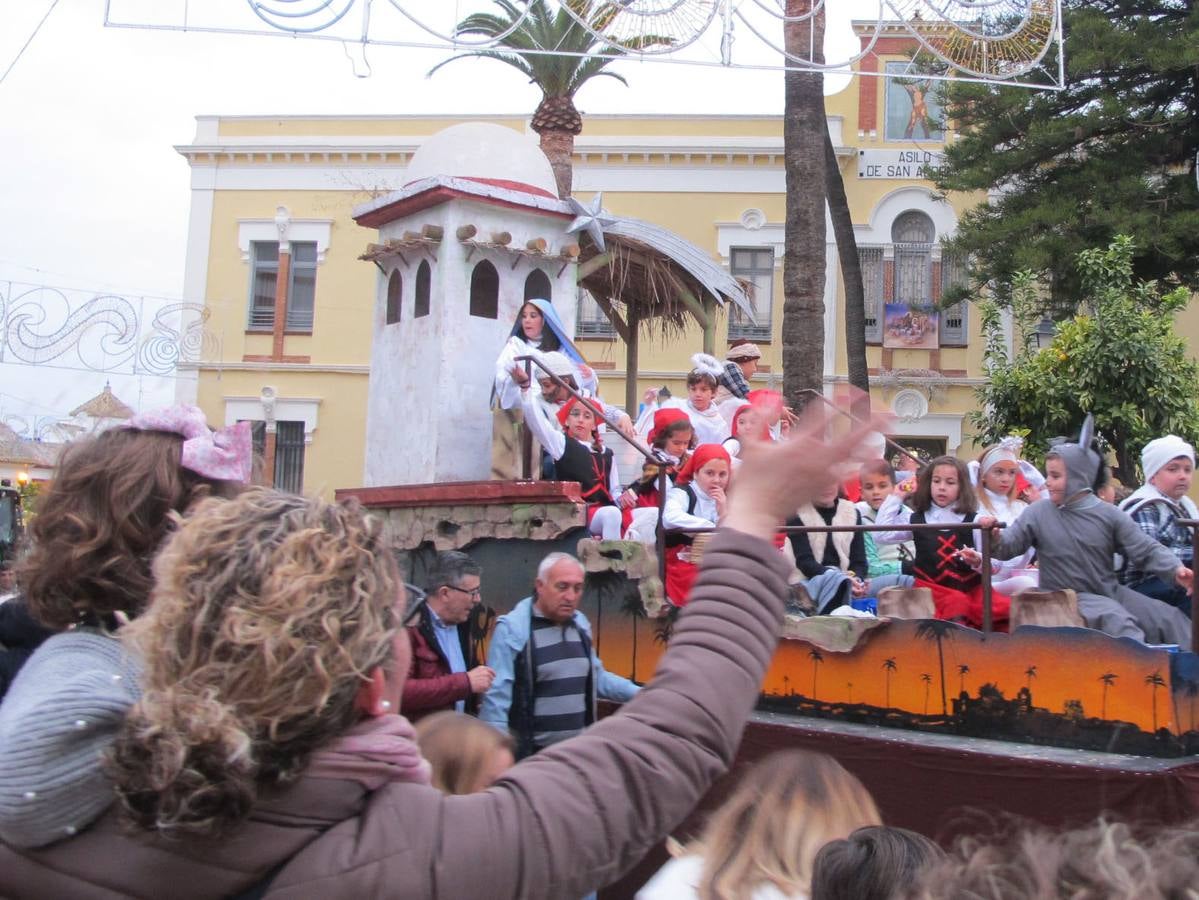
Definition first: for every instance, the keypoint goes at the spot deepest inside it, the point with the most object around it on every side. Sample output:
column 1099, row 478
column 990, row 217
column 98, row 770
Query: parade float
column 939, row 720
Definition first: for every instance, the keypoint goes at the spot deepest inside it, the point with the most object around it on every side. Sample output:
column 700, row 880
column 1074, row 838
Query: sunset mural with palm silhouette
column 1060, row 680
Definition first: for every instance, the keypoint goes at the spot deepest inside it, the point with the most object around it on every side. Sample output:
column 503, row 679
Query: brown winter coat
column 562, row 823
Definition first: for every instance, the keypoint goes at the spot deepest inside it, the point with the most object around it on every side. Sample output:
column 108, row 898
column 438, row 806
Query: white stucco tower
column 477, row 229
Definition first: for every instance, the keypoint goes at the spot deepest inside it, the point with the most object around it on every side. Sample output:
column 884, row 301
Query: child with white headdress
column 996, row 476
column 700, row 405
column 1156, row 506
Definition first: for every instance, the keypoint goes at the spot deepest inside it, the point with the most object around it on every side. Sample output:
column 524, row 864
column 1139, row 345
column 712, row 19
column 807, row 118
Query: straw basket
column 699, row 545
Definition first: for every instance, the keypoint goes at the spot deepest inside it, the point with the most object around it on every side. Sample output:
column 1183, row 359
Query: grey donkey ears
column 1087, row 433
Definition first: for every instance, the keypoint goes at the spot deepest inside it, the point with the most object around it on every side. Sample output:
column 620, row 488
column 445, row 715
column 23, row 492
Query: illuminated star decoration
column 591, row 219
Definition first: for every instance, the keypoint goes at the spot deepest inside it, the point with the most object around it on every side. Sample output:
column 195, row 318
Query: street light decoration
column 994, row 41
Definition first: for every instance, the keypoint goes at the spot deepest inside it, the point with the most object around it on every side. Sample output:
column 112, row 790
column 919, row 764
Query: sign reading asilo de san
column 912, row 164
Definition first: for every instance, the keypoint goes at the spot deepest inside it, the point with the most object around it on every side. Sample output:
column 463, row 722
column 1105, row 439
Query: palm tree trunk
column 804, row 129
column 558, row 145
column 851, row 273
column 941, row 660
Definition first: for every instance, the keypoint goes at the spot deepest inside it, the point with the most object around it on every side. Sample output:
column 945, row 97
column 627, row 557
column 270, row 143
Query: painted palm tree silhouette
column 939, row 631
column 1155, row 681
column 889, row 667
column 1108, row 679
column 849, row 684
column 817, row 658
column 1192, row 691
column 963, row 671
column 665, row 628
column 635, row 610
column 786, row 686
column 1029, row 674
column 928, row 680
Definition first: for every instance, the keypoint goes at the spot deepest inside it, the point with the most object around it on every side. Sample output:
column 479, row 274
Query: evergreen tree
column 1119, row 358
column 1112, row 153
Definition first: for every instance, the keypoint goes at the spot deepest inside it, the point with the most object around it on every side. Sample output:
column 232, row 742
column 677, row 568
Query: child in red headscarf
column 579, row 455
column 696, row 501
column 747, row 420
column 671, row 439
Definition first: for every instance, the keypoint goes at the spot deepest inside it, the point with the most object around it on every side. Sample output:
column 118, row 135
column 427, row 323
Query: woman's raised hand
column 776, row 478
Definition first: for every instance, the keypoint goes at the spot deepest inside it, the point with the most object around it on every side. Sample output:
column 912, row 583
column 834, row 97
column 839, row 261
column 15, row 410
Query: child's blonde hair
column 769, row 831
column 983, row 500
column 460, row 749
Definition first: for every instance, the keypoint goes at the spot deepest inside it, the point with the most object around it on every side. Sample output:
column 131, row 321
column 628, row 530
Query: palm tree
column 635, row 610
column 817, row 658
column 804, row 128
column 928, row 680
column 963, row 671
column 889, row 667
column 849, row 684
column 1155, row 681
column 786, row 686
column 937, row 630
column 530, row 47
column 1029, row 674
column 1108, row 679
column 851, row 273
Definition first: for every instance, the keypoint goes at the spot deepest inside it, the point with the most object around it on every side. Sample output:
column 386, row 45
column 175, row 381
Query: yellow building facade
column 260, row 184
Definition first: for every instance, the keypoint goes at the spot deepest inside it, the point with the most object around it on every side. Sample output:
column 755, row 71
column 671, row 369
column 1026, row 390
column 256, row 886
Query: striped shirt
column 560, row 660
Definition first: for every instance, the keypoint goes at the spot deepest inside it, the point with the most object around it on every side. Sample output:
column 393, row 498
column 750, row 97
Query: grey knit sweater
column 59, row 716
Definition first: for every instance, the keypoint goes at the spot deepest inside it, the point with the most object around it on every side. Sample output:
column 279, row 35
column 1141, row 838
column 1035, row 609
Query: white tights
column 606, row 522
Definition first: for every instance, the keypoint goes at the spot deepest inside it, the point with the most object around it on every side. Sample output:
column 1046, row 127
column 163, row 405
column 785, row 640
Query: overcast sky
column 94, row 195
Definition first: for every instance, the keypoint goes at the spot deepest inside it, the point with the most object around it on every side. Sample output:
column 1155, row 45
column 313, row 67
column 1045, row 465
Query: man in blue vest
column 547, row 677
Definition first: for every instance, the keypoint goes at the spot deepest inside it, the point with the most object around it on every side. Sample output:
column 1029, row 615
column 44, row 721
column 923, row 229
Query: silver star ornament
column 591, row 219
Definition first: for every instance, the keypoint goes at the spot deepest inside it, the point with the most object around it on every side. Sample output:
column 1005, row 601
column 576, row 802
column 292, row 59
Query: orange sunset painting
column 1068, row 687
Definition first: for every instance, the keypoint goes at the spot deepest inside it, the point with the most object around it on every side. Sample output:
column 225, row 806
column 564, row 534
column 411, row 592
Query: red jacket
column 431, row 687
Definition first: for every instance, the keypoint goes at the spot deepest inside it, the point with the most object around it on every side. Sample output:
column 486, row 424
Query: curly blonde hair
column 267, row 614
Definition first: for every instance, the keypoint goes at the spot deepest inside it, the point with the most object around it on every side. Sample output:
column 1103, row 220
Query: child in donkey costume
column 1076, row 535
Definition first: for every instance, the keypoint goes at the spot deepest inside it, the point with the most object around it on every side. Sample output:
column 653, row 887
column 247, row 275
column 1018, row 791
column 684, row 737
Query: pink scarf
column 373, row 753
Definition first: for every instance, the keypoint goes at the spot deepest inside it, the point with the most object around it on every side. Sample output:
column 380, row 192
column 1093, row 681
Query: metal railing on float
column 984, row 546
column 660, row 530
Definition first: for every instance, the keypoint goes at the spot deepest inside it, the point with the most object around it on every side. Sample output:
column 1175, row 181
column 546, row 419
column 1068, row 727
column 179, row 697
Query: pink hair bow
column 223, row 455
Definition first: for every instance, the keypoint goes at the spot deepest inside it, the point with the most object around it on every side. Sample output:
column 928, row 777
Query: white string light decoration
column 1015, row 42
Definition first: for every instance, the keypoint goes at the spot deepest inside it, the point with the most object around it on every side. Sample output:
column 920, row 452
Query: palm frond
column 531, row 46
column 515, row 60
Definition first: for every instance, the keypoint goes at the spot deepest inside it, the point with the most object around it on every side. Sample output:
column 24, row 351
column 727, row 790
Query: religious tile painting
column 909, row 327
column 913, row 108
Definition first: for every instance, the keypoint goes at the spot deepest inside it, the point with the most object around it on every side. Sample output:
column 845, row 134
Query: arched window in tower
column 913, row 233
column 395, row 296
column 485, row 291
column 424, row 286
column 537, row 286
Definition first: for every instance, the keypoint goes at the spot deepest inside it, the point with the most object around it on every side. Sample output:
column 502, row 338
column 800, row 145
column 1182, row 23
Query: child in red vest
column 943, row 495
column 579, row 455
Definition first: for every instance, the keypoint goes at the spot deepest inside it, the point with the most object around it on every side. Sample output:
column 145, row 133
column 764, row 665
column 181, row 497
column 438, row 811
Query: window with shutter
column 755, row 265
column 953, row 318
column 871, row 261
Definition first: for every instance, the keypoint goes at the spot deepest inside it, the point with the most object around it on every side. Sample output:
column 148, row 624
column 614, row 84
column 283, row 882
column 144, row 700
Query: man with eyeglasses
column 445, row 672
